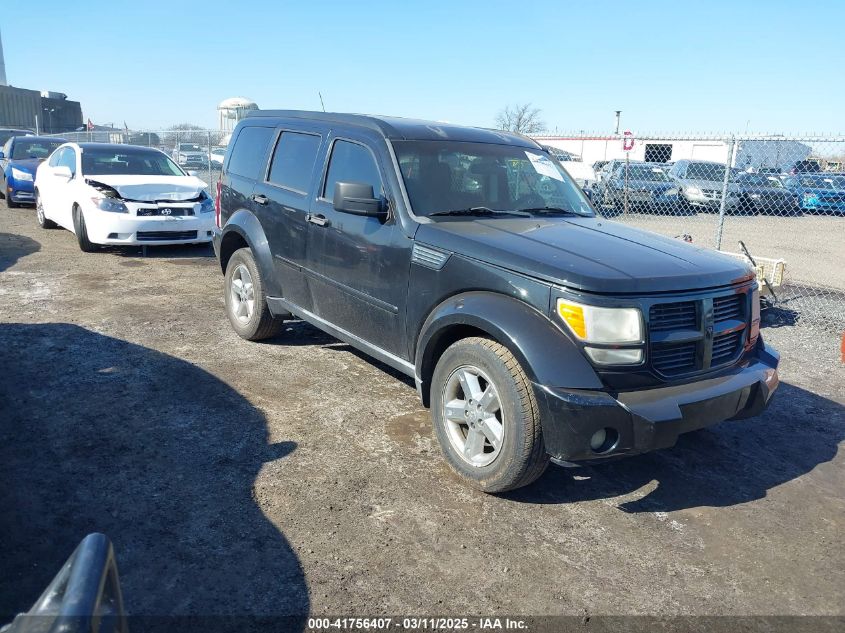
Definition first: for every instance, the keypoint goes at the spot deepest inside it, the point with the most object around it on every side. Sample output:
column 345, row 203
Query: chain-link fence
column 776, row 201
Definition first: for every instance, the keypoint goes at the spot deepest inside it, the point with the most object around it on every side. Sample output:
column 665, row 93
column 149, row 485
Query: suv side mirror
column 357, row 199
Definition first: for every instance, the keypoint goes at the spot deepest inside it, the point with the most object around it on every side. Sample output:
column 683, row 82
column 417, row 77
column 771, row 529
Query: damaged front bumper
column 164, row 228
column 641, row 421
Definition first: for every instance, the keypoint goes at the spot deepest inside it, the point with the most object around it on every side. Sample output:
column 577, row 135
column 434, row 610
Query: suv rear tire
column 246, row 304
column 492, row 436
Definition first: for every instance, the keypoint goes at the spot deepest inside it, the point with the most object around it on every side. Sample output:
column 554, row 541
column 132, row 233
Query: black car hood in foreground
column 589, row 254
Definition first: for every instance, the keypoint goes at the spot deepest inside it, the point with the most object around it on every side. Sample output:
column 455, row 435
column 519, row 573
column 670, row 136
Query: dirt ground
column 297, row 476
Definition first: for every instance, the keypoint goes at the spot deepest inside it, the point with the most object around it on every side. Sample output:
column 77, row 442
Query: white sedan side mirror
column 62, row 171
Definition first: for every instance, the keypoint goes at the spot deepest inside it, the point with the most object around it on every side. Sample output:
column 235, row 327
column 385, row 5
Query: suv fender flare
column 245, row 224
column 546, row 353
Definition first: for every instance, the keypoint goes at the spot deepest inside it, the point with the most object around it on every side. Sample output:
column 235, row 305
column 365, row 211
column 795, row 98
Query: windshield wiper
column 480, row 211
column 555, row 210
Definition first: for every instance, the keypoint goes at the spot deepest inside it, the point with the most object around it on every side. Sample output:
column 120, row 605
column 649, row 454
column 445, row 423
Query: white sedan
column 121, row 195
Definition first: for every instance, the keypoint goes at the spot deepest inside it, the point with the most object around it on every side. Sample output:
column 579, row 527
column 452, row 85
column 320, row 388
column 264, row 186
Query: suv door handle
column 319, row 219
column 260, row 198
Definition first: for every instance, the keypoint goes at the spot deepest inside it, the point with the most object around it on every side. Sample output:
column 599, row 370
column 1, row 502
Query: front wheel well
column 231, row 242
column 439, row 344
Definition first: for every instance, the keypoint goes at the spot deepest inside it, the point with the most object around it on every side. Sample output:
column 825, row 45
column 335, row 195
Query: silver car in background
column 700, row 184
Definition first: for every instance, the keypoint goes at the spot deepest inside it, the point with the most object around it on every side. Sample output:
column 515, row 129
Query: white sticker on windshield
column 544, row 166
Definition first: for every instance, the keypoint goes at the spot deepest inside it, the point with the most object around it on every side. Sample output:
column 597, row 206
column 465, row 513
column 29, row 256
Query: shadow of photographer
column 97, row 434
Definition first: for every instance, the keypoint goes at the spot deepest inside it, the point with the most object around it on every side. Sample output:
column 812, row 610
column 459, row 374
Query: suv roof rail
column 400, row 128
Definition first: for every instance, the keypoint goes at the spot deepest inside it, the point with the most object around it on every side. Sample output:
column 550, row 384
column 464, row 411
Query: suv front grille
column 725, row 347
column 673, row 316
column 697, row 335
column 726, row 308
column 670, row 360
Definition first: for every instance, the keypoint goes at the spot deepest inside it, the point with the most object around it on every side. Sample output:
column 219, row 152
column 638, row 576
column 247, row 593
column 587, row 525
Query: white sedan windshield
column 125, row 162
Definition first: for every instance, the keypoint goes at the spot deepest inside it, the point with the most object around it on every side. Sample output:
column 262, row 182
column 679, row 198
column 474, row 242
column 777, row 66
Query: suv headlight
column 605, row 326
column 17, row 174
column 110, row 204
column 695, row 191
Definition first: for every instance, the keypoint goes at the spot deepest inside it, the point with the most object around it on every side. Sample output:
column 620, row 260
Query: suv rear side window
column 351, row 162
column 248, row 154
column 293, row 161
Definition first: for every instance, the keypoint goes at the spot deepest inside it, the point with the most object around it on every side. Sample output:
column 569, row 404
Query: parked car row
column 687, row 187
column 198, row 156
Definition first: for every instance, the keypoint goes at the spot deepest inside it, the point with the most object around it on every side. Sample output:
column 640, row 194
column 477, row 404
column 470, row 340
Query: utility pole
column 618, row 115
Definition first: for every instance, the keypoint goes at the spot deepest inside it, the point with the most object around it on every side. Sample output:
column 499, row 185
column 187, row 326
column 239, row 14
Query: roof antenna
column 321, row 101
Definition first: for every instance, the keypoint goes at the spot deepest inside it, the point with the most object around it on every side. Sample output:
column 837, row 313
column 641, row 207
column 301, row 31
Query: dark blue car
column 819, row 192
column 19, row 159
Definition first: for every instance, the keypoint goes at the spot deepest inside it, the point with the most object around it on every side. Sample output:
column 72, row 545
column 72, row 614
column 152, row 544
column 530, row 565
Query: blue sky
column 669, row 66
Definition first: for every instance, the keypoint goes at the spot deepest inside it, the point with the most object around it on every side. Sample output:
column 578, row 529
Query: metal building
column 48, row 112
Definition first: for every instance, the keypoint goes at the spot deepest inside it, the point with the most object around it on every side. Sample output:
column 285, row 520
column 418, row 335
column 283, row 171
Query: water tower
column 232, row 110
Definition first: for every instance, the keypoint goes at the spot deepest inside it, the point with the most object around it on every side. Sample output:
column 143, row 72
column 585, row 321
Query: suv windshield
column 451, row 176
column 23, row 149
column 131, row 161
column 189, row 147
column 644, row 172
column 705, row 171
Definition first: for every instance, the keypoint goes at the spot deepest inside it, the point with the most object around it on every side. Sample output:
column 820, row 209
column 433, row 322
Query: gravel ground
column 297, row 476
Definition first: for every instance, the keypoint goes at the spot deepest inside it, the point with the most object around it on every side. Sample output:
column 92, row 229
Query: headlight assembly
column 17, row 174
column 592, row 324
column 605, row 326
column 207, row 205
column 695, row 191
column 112, row 205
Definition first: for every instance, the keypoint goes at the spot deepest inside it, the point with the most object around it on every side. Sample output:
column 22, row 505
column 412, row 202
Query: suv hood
column 152, row 188
column 588, row 254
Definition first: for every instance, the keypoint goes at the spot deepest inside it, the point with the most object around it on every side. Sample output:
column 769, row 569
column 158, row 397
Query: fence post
column 724, row 202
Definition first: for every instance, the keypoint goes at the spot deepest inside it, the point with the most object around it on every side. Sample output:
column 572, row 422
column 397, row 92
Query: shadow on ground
column 97, row 434
column 13, row 247
column 732, row 463
column 298, row 333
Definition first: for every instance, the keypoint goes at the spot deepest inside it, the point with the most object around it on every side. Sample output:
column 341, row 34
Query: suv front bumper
column 646, row 420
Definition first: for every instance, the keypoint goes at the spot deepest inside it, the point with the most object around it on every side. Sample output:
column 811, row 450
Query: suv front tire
column 246, row 303
column 486, row 417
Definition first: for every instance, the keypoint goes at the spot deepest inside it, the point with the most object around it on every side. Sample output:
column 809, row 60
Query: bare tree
column 186, row 133
column 521, row 118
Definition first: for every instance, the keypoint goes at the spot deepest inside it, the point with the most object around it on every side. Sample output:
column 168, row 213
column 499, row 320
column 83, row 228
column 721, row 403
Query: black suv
column 469, row 260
